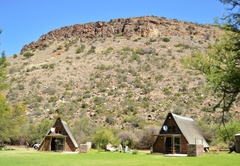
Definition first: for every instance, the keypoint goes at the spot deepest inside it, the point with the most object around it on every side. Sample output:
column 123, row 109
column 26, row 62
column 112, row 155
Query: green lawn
column 94, row 158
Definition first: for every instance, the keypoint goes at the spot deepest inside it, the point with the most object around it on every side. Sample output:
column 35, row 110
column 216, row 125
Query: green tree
column 221, row 63
column 11, row 117
column 34, row 133
column 233, row 127
column 233, row 17
column 221, row 67
column 11, row 120
column 103, row 137
column 3, row 65
column 84, row 129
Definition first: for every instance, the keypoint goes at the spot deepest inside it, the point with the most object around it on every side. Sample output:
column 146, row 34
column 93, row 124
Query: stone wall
column 237, row 143
column 83, row 148
column 195, row 150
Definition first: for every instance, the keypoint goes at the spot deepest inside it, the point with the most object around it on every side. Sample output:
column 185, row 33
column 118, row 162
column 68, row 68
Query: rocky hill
column 123, row 73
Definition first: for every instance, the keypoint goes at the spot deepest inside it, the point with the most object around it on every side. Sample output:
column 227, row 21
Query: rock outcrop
column 147, row 26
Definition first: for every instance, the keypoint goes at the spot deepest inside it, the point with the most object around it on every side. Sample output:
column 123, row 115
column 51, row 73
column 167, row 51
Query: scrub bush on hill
column 28, row 54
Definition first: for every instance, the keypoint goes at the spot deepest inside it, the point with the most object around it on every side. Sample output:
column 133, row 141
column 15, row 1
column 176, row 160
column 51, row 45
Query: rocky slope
column 125, row 73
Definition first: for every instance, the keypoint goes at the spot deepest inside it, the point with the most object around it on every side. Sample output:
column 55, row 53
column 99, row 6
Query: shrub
column 167, row 91
column 207, row 109
column 126, row 138
column 135, row 57
column 109, row 49
column 39, row 98
column 137, row 121
column 45, row 66
column 166, row 39
column 91, row 50
column 224, row 136
column 103, row 137
column 80, row 49
column 127, row 49
column 49, row 90
column 159, row 77
column 28, row 54
column 140, row 51
column 144, row 137
column 119, row 34
column 83, row 129
column 98, row 100
column 59, row 47
column 51, row 66
column 15, row 56
column 153, row 40
column 20, row 86
column 53, row 99
column 148, row 43
column 110, row 119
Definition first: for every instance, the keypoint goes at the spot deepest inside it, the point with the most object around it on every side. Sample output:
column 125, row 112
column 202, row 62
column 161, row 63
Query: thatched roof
column 69, row 133
column 189, row 130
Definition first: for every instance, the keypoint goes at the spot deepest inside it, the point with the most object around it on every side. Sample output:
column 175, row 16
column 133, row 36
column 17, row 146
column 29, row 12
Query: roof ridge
column 182, row 117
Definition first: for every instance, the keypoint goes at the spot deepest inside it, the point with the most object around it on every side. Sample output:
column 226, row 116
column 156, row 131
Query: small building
column 59, row 138
column 176, row 134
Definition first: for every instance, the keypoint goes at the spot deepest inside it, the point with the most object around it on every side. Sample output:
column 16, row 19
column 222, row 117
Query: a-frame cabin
column 175, row 135
column 59, row 138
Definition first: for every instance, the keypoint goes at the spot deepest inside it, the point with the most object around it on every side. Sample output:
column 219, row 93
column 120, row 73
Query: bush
column 103, row 137
column 127, row 49
column 140, row 51
column 110, row 119
column 109, row 49
column 166, row 39
column 126, row 138
column 224, row 136
column 135, row 57
column 49, row 90
column 20, row 86
column 159, row 77
column 59, row 47
column 92, row 50
column 167, row 91
column 80, row 49
column 28, row 54
column 144, row 137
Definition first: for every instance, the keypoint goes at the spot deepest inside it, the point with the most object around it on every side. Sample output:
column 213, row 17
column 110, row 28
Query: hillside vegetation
column 124, row 74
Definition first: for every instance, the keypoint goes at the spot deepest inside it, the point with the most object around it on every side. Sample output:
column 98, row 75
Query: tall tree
column 233, row 17
column 221, row 63
column 221, row 67
column 11, row 117
column 3, row 65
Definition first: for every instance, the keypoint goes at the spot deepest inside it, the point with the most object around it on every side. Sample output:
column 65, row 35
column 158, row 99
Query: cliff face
column 151, row 26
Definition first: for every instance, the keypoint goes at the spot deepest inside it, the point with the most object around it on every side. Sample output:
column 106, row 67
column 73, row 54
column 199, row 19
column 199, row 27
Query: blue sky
column 24, row 21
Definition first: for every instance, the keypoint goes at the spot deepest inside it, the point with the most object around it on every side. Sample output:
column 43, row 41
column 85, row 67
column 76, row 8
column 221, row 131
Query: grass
column 95, row 158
